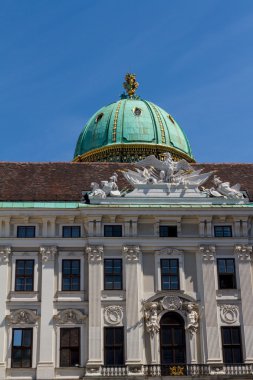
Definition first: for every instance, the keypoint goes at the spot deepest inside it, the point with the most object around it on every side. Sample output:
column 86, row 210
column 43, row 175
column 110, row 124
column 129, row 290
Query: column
column 244, row 258
column 4, row 260
column 95, row 259
column 210, row 333
column 45, row 368
column 134, row 339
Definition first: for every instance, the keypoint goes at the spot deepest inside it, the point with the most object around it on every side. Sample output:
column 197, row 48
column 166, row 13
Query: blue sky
column 61, row 60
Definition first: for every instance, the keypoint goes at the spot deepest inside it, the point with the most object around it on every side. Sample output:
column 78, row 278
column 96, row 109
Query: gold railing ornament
column 177, row 370
column 130, row 84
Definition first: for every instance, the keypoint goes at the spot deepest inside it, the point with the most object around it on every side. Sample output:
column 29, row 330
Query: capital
column 95, row 253
column 243, row 252
column 48, row 253
column 132, row 253
column 5, row 251
column 208, row 252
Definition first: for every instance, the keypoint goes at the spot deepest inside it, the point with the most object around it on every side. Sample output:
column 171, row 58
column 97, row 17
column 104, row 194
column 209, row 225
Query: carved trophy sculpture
column 108, row 188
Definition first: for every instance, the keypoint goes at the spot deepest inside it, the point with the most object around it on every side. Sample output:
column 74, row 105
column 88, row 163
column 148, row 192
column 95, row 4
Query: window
column 114, row 346
column 169, row 274
column 26, row 231
column 226, row 273
column 21, row 356
column 70, row 275
column 168, row 231
column 231, row 345
column 24, row 275
column 71, row 231
column 222, row 231
column 70, row 347
column 112, row 274
column 113, row 230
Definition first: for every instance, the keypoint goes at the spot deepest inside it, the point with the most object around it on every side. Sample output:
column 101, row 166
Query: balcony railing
column 196, row 370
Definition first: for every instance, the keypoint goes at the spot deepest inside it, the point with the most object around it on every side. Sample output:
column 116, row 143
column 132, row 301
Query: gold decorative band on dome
column 130, row 153
column 114, row 130
column 160, row 123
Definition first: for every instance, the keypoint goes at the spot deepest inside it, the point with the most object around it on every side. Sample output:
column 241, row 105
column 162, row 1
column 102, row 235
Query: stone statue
column 151, row 317
column 192, row 317
column 228, row 191
column 108, row 188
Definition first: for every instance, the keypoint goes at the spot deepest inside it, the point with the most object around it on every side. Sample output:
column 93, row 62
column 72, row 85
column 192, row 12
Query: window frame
column 70, row 275
column 222, row 226
column 170, row 253
column 114, row 345
column 22, row 347
column 226, row 274
column 113, row 274
column 170, row 274
column 24, row 276
column 231, row 346
column 69, row 347
column 26, row 227
column 168, row 226
column 71, row 227
column 18, row 295
column 113, row 225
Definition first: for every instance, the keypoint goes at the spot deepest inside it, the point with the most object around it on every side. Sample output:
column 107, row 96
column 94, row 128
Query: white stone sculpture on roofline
column 153, row 178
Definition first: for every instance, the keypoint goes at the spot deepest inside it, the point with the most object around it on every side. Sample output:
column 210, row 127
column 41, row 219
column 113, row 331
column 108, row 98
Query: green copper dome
column 129, row 130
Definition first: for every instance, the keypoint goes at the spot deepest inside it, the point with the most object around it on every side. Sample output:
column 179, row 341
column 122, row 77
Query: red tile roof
column 64, row 181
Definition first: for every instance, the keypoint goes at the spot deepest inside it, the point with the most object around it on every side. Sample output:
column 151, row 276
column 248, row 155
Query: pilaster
column 45, row 368
column 210, row 327
column 95, row 260
column 133, row 257
column 244, row 258
column 5, row 252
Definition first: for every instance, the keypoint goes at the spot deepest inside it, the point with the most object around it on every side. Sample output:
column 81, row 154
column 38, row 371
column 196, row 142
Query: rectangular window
column 169, row 274
column 70, row 347
column 24, row 275
column 222, row 231
column 112, row 274
column 168, row 231
column 21, row 356
column 113, row 230
column 114, row 346
column 71, row 231
column 231, row 345
column 26, row 231
column 226, row 273
column 71, row 275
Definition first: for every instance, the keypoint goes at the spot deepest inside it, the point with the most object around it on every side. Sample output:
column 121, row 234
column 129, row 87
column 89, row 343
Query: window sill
column 23, row 295
column 113, row 295
column 228, row 294
column 67, row 295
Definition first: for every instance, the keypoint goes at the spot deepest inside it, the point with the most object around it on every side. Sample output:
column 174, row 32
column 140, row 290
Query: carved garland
column 69, row 316
column 22, row 317
column 229, row 313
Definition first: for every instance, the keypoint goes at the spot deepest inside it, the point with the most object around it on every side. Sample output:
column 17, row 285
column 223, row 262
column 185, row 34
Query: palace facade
column 111, row 268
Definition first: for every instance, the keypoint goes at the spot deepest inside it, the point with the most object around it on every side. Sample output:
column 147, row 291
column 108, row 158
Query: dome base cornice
column 130, row 153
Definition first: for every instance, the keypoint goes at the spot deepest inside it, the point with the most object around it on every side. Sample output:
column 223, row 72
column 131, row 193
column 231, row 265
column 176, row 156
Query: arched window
column 172, row 339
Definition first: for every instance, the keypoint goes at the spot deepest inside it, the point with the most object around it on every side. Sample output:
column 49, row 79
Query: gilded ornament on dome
column 130, row 84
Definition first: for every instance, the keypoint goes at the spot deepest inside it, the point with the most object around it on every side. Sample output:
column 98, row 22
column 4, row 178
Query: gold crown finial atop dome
column 130, row 84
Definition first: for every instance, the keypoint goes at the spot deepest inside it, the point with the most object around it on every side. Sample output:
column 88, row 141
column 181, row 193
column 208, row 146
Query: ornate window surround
column 23, row 294
column 169, row 253
column 71, row 322
column 33, row 323
column 237, row 279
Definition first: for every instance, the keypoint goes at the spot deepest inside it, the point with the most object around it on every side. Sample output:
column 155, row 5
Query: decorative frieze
column 113, row 314
column 95, row 254
column 69, row 316
column 48, row 253
column 132, row 253
column 208, row 252
column 5, row 252
column 243, row 252
column 229, row 313
column 22, row 317
column 169, row 252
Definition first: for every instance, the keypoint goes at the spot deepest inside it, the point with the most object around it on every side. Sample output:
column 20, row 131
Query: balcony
column 194, row 370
